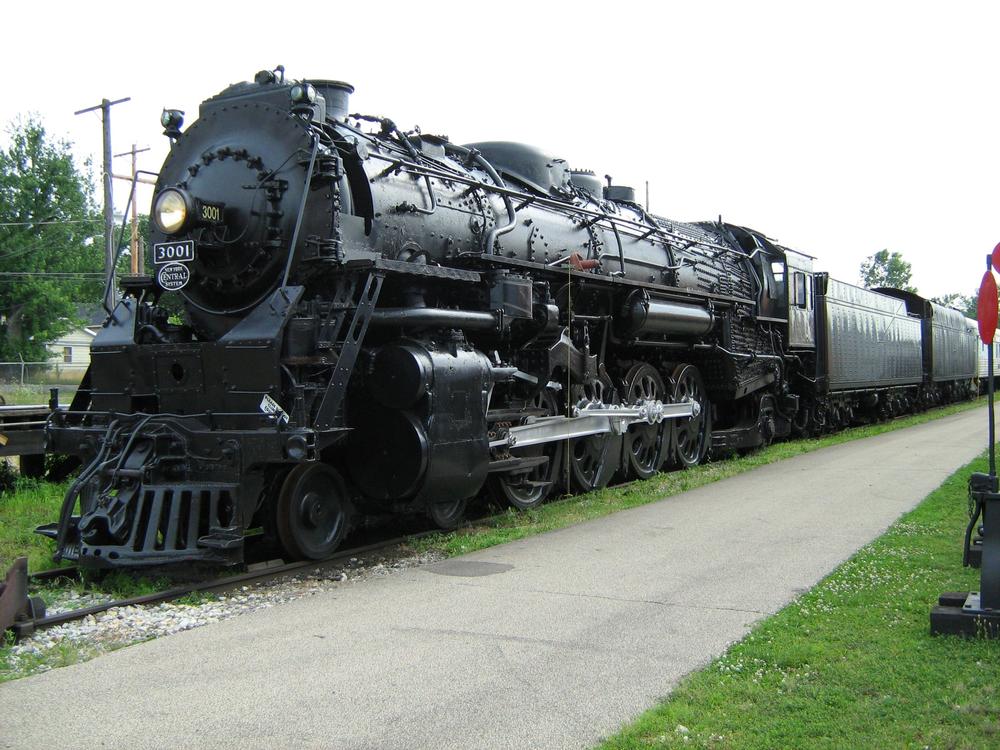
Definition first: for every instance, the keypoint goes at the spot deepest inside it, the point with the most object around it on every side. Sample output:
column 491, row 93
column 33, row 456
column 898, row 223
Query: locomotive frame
column 386, row 322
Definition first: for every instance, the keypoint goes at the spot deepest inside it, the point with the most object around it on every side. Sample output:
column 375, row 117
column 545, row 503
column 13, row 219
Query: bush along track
column 851, row 663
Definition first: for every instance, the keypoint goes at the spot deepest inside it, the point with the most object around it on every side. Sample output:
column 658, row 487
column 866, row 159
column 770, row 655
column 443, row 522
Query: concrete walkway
column 552, row 642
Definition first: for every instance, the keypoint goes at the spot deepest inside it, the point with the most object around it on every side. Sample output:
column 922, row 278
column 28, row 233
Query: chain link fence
column 29, row 382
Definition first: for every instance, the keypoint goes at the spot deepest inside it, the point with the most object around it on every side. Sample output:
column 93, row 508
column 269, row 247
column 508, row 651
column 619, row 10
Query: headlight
column 170, row 210
column 302, row 93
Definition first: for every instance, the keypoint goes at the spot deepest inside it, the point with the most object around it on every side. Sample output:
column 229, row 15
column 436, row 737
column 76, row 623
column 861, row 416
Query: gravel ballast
column 122, row 626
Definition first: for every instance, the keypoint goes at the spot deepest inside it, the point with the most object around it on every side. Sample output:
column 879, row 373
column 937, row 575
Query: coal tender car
column 378, row 321
column 983, row 366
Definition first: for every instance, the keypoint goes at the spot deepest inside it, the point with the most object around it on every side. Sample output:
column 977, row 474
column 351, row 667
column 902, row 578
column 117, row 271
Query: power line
column 40, row 244
column 45, row 223
column 53, row 274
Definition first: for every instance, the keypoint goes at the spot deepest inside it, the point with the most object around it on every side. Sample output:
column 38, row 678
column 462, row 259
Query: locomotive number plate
column 181, row 251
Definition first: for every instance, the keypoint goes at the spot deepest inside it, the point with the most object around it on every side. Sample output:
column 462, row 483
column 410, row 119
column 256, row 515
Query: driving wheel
column 593, row 460
column 528, row 488
column 646, row 446
column 692, row 435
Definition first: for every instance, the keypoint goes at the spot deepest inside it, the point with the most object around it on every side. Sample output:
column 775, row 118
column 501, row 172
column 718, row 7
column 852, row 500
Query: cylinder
column 400, row 375
column 645, row 316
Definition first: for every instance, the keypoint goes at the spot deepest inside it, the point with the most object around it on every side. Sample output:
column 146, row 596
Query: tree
column 51, row 241
column 886, row 269
column 966, row 303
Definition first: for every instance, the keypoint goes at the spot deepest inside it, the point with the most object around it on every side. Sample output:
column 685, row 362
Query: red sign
column 986, row 307
column 996, row 258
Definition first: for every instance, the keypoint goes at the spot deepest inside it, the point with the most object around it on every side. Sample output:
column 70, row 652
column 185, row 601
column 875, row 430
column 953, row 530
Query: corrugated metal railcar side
column 955, row 347
column 868, row 339
column 983, row 351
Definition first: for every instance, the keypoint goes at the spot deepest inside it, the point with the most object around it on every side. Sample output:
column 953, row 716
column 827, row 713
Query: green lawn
column 31, row 503
column 36, row 394
column 851, row 664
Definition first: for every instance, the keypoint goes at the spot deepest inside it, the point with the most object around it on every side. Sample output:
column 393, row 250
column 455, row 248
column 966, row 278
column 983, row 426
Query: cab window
column 800, row 293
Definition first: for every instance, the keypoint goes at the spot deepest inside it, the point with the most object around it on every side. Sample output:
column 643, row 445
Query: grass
column 60, row 654
column 37, row 394
column 851, row 663
column 31, row 503
column 511, row 525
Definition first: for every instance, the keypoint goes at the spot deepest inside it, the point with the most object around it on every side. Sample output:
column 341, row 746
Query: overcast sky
column 837, row 129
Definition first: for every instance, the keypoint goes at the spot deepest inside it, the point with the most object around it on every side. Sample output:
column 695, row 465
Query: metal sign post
column 977, row 613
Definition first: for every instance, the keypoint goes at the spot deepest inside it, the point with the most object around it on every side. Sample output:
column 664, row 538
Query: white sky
column 839, row 129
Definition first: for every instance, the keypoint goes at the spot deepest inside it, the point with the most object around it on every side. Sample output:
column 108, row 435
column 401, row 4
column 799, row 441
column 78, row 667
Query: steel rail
column 264, row 573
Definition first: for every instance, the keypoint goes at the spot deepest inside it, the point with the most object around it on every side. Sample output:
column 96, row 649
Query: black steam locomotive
column 385, row 322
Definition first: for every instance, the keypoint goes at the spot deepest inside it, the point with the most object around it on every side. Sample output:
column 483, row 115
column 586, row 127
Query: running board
column 593, row 419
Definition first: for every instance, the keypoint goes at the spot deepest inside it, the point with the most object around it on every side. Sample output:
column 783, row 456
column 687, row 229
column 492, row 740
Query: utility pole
column 136, row 267
column 109, row 215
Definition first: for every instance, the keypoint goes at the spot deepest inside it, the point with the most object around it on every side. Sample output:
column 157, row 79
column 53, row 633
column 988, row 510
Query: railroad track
column 23, row 615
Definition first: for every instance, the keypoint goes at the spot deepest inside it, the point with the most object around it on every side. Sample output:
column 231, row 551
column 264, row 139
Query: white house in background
column 73, row 347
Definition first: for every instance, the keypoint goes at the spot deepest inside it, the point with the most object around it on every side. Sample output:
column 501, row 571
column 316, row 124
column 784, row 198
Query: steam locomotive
column 377, row 321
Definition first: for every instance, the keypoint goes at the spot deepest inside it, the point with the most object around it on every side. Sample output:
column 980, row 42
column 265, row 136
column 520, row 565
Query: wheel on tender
column 692, row 435
column 529, row 489
column 645, row 446
column 313, row 511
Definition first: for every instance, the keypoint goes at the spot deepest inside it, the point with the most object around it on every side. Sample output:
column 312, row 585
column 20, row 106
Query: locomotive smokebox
column 337, row 95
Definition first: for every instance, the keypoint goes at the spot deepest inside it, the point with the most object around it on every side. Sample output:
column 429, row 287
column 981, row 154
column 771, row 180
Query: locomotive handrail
column 648, row 263
column 666, row 235
column 441, row 172
column 678, row 293
column 302, row 209
column 433, row 198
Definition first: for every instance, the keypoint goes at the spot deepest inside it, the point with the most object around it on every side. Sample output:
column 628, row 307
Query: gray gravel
column 121, row 626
